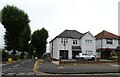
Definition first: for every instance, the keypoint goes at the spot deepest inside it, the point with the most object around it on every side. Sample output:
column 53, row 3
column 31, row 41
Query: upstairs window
column 74, row 41
column 64, row 40
column 61, row 40
column 88, row 41
column 109, row 41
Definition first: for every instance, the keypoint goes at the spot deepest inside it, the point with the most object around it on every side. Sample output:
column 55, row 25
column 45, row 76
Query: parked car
column 85, row 57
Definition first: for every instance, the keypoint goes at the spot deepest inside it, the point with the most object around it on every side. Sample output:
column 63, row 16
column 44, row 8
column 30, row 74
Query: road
column 24, row 68
column 21, row 67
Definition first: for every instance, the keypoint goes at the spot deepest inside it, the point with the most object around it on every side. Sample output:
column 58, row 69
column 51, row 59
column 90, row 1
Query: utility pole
column 64, row 43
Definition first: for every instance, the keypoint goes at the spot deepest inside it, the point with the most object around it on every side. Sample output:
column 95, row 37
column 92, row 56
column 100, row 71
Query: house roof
column 71, row 34
column 106, row 34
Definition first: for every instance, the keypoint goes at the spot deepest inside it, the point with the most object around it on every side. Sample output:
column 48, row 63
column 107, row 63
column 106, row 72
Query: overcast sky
column 58, row 15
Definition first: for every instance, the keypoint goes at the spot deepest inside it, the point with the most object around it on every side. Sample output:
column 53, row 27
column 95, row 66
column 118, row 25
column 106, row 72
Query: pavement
column 48, row 67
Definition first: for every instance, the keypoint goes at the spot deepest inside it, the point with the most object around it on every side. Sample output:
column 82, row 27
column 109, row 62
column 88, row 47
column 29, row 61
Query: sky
column 59, row 15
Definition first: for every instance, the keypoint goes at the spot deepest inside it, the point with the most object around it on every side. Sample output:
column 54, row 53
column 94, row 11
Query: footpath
column 48, row 67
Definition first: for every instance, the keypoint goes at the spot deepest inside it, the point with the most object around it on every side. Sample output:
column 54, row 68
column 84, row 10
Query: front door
column 64, row 54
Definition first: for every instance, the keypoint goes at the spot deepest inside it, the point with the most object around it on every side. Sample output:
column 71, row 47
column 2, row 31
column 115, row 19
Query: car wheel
column 93, row 58
column 82, row 59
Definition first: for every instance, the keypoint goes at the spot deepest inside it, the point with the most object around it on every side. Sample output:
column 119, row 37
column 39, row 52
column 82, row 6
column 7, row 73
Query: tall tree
column 31, row 50
column 39, row 41
column 26, row 38
column 14, row 21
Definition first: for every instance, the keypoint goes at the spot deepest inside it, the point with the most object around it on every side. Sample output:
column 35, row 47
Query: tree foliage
column 26, row 38
column 16, row 24
column 31, row 50
column 39, row 41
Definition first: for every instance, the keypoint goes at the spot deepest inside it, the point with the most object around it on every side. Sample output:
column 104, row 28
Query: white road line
column 16, row 65
column 9, row 68
column 116, row 65
column 23, row 62
column 30, row 73
column 6, row 69
column 10, row 73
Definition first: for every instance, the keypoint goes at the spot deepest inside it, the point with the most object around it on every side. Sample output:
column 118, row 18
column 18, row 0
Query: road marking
column 16, row 65
column 30, row 73
column 10, row 74
column 60, row 68
column 116, row 65
column 23, row 62
column 21, row 73
column 6, row 69
column 9, row 68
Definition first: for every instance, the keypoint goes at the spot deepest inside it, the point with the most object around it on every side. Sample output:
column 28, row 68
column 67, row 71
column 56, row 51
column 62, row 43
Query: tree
column 39, row 41
column 26, row 38
column 14, row 21
column 31, row 50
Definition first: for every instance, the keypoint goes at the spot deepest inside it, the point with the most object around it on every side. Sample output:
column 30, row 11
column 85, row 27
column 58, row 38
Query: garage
column 75, row 51
column 64, row 54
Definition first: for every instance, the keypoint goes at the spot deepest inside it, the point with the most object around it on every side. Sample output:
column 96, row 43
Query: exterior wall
column 57, row 46
column 66, row 47
column 88, row 47
column 104, row 45
column 55, row 49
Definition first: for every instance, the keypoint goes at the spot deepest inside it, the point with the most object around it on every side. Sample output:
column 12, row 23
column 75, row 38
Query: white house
column 70, row 43
column 106, row 42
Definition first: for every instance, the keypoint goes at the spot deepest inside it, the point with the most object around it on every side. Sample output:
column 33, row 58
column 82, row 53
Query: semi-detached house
column 70, row 43
column 106, row 42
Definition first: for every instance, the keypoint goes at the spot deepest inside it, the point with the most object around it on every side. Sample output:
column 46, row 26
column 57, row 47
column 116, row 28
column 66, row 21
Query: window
column 89, row 52
column 118, row 41
column 108, row 41
column 64, row 40
column 61, row 40
column 88, row 41
column 74, row 41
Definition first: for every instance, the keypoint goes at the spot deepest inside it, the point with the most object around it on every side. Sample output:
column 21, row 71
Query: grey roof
column 71, row 34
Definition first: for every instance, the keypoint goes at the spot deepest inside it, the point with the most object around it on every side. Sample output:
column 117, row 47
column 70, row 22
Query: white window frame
column 109, row 41
column 64, row 40
column 88, row 41
column 75, row 42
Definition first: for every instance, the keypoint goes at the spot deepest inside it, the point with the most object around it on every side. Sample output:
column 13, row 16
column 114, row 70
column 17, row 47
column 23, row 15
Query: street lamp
column 64, row 43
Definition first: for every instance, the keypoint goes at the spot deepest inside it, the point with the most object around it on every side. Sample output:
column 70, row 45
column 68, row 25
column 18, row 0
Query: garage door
column 64, row 54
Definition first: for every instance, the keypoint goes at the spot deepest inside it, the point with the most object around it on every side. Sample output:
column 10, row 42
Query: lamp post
column 64, row 43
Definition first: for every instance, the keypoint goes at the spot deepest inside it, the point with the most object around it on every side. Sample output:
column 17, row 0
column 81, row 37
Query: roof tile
column 106, row 34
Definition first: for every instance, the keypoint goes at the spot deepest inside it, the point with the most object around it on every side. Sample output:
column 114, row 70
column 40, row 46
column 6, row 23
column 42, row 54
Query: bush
column 5, row 55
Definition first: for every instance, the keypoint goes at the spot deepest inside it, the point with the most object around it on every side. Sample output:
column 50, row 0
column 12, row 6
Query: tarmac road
column 24, row 68
column 19, row 67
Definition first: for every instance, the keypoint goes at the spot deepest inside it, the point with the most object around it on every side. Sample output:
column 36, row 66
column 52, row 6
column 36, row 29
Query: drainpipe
column 101, row 48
